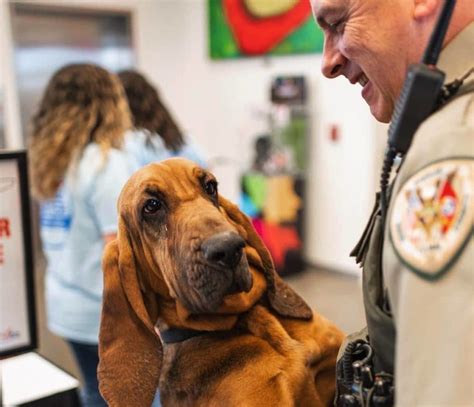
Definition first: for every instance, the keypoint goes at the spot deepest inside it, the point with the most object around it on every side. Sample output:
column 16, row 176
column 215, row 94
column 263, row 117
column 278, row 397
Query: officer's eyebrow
column 323, row 12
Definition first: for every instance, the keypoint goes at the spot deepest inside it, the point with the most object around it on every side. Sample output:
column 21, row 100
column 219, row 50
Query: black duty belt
column 357, row 383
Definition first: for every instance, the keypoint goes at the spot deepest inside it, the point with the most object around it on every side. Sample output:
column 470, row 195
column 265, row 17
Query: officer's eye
column 338, row 26
column 211, row 188
column 152, row 206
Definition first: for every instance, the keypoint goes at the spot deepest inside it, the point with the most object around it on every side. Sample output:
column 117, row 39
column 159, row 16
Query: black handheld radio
column 419, row 97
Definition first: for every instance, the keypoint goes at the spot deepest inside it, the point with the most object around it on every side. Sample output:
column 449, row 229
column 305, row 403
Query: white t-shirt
column 155, row 150
column 72, row 226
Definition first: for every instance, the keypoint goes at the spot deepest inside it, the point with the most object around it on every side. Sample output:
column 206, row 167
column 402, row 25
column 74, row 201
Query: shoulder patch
column 432, row 217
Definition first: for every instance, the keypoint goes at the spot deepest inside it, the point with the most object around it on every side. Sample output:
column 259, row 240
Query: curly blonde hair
column 82, row 104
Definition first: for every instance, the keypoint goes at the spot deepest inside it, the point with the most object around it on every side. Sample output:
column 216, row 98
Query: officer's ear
column 425, row 9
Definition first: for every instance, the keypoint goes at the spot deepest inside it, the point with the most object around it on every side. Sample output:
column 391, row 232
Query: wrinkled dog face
column 190, row 239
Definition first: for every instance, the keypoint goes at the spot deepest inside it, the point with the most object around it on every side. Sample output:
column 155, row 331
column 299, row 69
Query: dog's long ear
column 282, row 298
column 129, row 349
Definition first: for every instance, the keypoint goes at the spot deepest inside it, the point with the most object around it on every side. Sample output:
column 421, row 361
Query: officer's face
column 371, row 43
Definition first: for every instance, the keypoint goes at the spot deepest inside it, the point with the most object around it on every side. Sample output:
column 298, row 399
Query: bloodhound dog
column 193, row 306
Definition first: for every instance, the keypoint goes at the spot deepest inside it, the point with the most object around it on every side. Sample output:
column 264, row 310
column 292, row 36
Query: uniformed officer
column 418, row 265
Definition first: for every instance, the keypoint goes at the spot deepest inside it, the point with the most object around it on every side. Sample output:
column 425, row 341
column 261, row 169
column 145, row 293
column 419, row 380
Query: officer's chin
column 381, row 108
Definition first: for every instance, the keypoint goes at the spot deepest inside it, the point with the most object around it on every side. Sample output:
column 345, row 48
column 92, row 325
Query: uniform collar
column 456, row 58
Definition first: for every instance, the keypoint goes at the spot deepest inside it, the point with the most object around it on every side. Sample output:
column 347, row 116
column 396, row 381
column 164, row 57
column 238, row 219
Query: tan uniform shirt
column 428, row 256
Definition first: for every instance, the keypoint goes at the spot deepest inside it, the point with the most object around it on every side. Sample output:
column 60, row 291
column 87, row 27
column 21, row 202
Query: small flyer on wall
column 17, row 314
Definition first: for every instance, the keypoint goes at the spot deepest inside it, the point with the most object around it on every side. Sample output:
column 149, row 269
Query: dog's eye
column 152, row 206
column 211, row 188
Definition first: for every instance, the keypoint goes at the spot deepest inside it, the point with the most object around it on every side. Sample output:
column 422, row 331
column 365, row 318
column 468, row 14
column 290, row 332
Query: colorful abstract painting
column 275, row 207
column 239, row 28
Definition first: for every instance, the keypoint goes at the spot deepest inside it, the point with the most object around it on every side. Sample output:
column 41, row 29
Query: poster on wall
column 240, row 28
column 17, row 304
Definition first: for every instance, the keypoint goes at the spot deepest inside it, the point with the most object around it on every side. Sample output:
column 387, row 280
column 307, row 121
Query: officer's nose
column 333, row 60
column 224, row 249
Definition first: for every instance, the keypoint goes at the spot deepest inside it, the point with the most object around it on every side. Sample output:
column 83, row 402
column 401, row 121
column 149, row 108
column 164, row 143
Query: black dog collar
column 175, row 335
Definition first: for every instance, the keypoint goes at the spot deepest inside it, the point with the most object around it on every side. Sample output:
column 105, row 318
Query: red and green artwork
column 275, row 207
column 262, row 27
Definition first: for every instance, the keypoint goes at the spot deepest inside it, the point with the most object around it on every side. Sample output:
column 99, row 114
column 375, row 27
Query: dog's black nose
column 224, row 249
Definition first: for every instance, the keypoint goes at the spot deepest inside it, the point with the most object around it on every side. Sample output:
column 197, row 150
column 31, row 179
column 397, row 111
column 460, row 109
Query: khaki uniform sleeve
column 428, row 262
column 434, row 363
column 429, row 272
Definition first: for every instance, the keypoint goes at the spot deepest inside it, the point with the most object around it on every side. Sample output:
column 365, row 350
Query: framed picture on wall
column 244, row 28
column 17, row 300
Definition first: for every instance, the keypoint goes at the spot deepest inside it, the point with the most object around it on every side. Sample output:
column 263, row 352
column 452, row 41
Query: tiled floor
column 336, row 296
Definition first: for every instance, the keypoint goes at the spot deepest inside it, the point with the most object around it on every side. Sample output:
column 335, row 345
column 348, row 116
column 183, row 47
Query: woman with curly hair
column 78, row 170
column 157, row 135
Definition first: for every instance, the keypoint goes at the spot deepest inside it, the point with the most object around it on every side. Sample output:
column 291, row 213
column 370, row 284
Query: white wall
column 7, row 81
column 217, row 104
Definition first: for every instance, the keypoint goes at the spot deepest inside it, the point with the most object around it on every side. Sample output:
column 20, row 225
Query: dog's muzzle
column 225, row 250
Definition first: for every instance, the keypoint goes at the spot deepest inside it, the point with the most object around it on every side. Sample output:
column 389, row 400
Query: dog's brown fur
column 264, row 347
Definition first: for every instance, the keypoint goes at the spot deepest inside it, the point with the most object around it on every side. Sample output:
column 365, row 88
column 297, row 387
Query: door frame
column 13, row 129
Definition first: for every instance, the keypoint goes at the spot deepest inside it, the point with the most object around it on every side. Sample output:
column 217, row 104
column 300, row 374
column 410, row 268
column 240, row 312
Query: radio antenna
column 436, row 41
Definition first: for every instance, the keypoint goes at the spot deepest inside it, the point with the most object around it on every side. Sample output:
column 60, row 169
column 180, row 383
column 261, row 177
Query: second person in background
column 157, row 135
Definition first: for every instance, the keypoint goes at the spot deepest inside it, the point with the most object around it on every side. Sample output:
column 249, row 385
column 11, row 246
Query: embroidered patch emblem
column 432, row 217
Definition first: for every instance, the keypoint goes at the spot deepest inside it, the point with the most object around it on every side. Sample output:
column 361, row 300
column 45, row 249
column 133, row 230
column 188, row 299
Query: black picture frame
column 20, row 157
